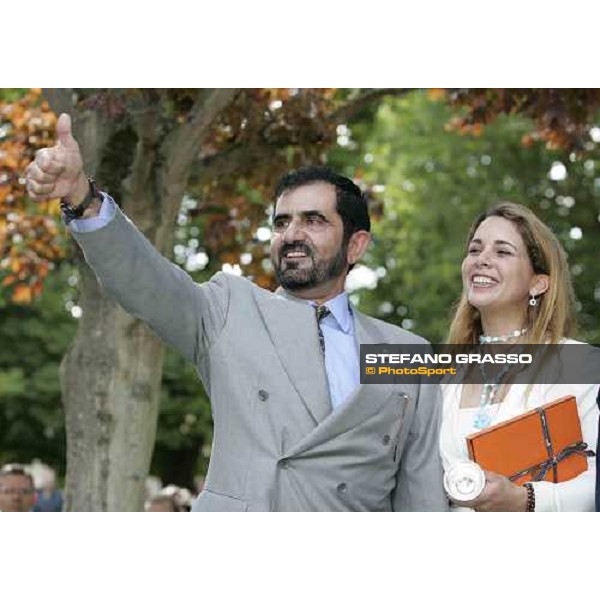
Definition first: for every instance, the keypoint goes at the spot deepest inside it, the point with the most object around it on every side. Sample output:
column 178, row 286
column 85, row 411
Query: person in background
column 162, row 503
column 49, row 498
column 17, row 492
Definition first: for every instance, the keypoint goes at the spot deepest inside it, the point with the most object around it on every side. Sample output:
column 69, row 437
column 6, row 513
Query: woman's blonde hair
column 554, row 315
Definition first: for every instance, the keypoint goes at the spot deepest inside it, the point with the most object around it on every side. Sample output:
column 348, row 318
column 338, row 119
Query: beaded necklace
column 489, row 388
column 493, row 339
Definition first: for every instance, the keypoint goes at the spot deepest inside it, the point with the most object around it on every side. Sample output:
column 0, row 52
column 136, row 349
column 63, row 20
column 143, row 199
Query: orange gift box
column 543, row 444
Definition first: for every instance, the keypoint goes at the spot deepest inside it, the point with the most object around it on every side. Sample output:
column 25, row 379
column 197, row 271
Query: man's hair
column 351, row 203
column 16, row 469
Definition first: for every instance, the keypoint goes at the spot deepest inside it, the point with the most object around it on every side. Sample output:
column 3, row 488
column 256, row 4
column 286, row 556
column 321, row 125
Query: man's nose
column 294, row 232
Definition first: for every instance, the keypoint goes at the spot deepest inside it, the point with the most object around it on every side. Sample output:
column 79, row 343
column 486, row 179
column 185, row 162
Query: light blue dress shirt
column 341, row 353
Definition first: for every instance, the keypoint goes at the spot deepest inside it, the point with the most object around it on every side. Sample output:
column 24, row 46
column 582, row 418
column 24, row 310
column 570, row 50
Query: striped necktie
column 322, row 311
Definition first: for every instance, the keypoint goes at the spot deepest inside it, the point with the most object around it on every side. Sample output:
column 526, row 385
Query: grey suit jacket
column 277, row 444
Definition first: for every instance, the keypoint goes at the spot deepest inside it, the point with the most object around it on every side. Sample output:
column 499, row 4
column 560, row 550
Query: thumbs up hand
column 57, row 172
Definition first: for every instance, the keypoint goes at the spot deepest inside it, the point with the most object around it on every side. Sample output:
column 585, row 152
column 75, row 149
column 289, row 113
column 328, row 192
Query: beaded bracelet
column 530, row 497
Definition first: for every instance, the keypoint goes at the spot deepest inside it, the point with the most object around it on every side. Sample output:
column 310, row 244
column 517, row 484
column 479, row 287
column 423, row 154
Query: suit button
column 284, row 463
column 342, row 488
column 263, row 395
column 386, row 439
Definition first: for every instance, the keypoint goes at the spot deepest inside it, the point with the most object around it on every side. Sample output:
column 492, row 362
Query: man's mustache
column 295, row 248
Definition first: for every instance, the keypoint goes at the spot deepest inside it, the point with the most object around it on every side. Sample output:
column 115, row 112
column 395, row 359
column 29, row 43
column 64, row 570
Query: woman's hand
column 499, row 495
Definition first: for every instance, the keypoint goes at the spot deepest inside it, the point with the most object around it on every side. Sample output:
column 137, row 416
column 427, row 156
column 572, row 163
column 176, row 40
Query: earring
column 532, row 301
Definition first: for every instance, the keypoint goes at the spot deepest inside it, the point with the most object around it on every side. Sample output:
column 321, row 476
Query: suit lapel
column 292, row 327
column 366, row 401
column 370, row 397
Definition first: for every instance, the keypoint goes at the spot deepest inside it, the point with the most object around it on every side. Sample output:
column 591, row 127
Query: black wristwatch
column 76, row 212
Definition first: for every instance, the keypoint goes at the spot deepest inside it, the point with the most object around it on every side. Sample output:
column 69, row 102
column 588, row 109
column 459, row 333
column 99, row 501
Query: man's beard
column 320, row 271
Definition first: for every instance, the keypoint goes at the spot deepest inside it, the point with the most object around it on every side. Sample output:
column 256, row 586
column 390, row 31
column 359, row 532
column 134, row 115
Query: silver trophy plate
column 464, row 481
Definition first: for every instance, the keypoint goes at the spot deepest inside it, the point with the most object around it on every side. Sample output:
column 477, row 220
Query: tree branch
column 179, row 150
column 352, row 107
column 232, row 160
column 182, row 145
column 241, row 156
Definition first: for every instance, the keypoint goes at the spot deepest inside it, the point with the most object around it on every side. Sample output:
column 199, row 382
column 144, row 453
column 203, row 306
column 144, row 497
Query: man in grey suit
column 293, row 428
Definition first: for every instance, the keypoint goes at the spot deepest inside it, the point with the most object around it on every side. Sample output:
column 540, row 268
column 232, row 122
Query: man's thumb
column 63, row 131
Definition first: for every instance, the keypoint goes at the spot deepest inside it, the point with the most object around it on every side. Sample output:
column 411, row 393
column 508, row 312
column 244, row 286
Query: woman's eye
column 473, row 250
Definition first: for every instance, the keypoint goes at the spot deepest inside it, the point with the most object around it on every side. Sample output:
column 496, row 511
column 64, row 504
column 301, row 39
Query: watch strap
column 76, row 212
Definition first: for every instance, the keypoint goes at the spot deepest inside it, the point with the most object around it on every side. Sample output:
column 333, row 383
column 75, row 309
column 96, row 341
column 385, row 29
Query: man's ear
column 539, row 285
column 357, row 245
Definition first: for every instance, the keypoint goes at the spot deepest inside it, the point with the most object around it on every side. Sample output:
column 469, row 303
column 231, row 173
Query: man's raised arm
column 185, row 315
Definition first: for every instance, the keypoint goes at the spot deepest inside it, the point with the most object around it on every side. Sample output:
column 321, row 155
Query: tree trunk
column 110, row 387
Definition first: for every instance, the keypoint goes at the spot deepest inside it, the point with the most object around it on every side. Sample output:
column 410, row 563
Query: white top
column 578, row 494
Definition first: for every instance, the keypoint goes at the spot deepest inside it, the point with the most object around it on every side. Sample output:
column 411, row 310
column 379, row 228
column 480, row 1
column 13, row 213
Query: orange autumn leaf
column 436, row 94
column 22, row 294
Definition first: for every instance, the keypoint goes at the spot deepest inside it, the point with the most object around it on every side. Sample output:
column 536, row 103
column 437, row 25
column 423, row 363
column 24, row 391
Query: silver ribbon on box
column 464, row 481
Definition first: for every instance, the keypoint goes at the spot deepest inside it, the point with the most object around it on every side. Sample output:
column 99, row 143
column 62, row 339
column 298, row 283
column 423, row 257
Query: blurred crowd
column 33, row 488
column 170, row 498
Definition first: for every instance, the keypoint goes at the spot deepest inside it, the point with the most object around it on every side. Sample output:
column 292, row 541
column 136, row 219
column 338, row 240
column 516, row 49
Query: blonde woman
column 516, row 289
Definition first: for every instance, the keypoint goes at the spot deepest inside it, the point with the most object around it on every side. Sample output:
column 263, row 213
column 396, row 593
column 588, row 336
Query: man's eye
column 314, row 219
column 280, row 224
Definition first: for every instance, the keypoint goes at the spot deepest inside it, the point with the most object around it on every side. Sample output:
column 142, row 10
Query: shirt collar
column 340, row 309
column 339, row 306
